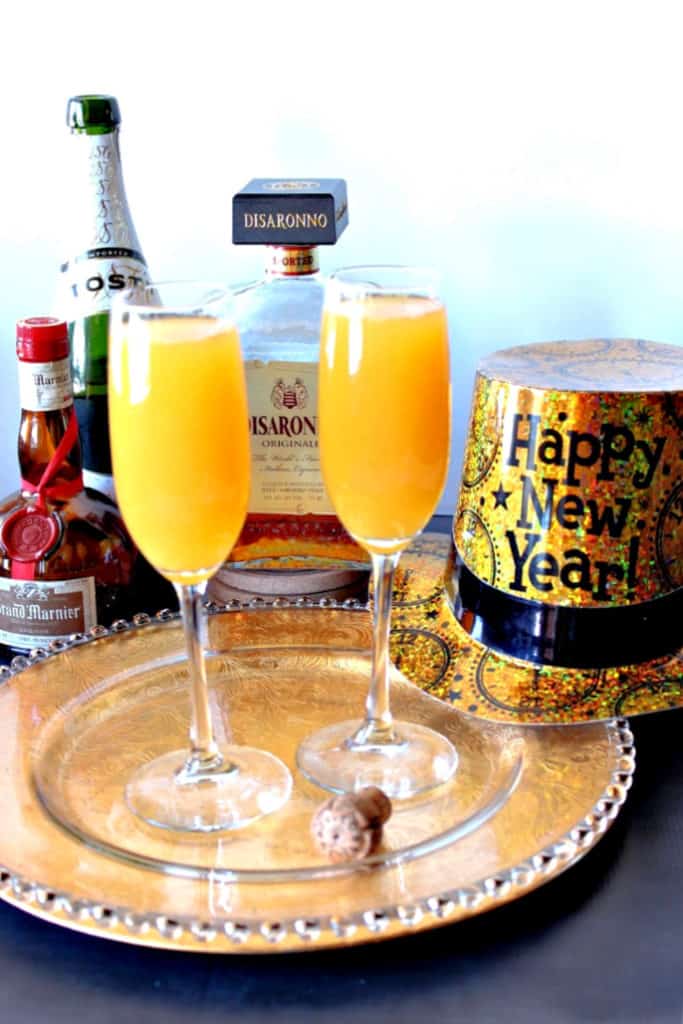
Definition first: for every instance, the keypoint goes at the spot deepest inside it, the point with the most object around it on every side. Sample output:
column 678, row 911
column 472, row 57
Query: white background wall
column 533, row 151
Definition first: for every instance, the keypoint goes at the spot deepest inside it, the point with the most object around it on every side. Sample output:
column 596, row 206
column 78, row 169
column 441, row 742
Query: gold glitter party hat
column 562, row 599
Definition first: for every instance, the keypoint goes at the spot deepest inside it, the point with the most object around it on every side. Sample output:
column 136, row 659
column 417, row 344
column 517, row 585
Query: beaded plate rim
column 224, row 934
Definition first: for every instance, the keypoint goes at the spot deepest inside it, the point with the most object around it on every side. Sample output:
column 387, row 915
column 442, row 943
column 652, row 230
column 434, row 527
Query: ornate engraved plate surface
column 525, row 803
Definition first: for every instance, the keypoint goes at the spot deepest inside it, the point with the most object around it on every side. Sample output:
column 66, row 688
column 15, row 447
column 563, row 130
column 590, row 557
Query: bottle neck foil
column 292, row 260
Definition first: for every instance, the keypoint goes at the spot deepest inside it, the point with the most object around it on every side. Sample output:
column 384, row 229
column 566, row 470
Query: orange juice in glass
column 384, row 408
column 385, row 395
column 180, row 451
column 178, row 411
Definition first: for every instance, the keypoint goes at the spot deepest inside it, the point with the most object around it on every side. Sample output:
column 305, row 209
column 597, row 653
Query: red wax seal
column 27, row 534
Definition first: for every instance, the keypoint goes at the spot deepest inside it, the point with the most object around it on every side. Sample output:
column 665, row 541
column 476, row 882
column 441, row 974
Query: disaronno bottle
column 104, row 258
column 292, row 541
column 66, row 560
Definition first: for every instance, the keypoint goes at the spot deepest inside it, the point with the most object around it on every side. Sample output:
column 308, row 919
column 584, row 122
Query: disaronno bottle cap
column 290, row 212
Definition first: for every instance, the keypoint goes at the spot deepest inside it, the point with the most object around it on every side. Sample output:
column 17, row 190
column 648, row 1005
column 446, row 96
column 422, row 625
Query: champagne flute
column 181, row 457
column 384, row 408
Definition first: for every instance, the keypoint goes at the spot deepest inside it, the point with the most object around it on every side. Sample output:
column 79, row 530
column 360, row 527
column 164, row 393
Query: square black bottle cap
column 297, row 211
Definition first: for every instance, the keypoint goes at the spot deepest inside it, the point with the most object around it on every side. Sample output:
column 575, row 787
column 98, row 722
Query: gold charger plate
column 525, row 803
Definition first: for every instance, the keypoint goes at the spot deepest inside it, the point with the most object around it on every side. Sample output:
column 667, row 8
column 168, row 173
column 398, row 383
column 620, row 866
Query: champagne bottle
column 105, row 257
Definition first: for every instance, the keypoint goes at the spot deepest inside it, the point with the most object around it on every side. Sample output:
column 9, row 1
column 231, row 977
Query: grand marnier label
column 45, row 387
column 283, row 429
column 34, row 612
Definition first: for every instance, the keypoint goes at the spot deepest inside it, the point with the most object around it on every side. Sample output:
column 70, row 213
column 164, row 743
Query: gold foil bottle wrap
column 292, row 261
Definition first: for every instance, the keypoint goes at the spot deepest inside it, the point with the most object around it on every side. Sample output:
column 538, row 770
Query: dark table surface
column 601, row 943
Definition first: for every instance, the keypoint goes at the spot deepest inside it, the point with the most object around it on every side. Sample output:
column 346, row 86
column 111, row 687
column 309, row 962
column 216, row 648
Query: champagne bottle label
column 283, row 427
column 92, row 280
column 45, row 387
column 35, row 612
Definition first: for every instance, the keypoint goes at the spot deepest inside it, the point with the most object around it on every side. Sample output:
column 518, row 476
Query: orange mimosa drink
column 181, row 456
column 180, row 443
column 384, row 407
column 384, row 414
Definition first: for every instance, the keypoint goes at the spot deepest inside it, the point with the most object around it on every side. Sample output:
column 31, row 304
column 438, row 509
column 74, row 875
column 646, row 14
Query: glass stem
column 379, row 724
column 204, row 756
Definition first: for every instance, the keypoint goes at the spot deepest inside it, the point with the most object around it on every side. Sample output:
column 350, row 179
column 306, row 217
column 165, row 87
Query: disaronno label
column 45, row 387
column 32, row 613
column 283, row 426
column 286, row 221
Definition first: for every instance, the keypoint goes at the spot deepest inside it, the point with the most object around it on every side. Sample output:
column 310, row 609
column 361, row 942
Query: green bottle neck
column 95, row 129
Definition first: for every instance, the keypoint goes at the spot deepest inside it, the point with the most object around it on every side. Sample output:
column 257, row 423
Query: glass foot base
column 252, row 783
column 413, row 760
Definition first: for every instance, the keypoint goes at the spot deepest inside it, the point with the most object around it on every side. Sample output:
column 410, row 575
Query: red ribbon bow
column 61, row 491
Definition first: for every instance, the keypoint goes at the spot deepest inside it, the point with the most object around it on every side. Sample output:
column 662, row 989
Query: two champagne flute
column 180, row 448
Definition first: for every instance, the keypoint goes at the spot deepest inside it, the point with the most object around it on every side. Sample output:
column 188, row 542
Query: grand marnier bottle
column 66, row 560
